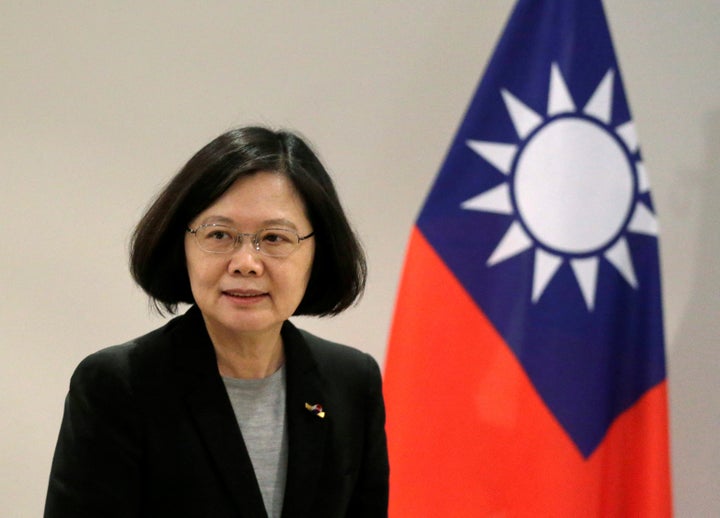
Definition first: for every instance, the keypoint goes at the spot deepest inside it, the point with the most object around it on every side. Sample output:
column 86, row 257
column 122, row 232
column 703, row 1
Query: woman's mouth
column 245, row 296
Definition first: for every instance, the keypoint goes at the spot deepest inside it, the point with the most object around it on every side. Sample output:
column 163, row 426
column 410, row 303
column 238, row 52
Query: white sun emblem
column 572, row 186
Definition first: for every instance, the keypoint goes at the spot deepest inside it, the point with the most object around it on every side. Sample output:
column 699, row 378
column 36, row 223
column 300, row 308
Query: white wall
column 101, row 102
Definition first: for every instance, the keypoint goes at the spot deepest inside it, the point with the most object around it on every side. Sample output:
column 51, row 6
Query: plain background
column 102, row 102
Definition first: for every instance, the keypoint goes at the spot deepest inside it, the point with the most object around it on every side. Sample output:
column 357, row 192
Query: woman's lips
column 245, row 296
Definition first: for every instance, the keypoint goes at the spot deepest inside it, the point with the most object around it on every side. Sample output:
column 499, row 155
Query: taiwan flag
column 525, row 373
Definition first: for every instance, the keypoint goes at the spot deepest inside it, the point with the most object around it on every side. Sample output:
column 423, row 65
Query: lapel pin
column 315, row 409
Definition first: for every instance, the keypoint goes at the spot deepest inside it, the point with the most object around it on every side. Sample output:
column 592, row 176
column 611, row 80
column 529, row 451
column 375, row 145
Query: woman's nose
column 245, row 259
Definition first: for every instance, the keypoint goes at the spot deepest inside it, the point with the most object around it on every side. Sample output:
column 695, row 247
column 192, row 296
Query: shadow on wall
column 695, row 362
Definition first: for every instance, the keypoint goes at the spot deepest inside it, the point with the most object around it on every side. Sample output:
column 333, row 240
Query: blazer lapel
column 307, row 431
column 211, row 410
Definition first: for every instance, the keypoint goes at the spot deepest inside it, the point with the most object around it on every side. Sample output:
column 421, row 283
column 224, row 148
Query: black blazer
column 148, row 430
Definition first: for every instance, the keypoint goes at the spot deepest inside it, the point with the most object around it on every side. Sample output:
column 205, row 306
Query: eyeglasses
column 221, row 239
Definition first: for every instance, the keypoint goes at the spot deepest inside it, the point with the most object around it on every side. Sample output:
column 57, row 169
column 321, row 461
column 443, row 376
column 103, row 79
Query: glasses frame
column 240, row 235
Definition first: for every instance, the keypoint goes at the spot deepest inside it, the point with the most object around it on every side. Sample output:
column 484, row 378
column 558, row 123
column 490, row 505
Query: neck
column 248, row 356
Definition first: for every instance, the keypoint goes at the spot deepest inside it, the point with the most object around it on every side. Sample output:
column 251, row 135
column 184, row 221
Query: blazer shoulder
column 339, row 360
column 329, row 348
column 124, row 361
column 105, row 362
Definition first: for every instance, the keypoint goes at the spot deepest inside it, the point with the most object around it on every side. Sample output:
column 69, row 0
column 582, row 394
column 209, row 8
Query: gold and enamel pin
column 316, row 409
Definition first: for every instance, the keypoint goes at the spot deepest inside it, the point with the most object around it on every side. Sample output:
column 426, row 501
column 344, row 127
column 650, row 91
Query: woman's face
column 244, row 292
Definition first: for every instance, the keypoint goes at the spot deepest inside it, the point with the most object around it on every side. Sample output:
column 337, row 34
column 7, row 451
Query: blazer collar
column 307, row 431
column 211, row 410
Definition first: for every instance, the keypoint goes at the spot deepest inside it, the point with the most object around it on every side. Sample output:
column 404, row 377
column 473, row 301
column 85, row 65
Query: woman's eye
column 275, row 238
column 272, row 238
column 218, row 235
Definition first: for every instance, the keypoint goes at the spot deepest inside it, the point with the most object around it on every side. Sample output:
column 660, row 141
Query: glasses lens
column 277, row 242
column 216, row 238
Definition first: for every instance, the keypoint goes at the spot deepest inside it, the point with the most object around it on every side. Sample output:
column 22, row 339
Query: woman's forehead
column 263, row 198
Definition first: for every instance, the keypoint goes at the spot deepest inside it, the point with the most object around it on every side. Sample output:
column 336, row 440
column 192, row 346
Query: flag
column 525, row 372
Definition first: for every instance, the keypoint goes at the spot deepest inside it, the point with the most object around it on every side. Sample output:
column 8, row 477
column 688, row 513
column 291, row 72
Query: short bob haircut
column 157, row 252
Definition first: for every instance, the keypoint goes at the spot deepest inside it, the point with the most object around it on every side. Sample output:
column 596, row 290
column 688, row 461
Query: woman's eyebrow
column 280, row 222
column 275, row 222
column 217, row 219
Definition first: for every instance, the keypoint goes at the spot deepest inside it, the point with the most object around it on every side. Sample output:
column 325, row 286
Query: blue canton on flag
column 542, row 210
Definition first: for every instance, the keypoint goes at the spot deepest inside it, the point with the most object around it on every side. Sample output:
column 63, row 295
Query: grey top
column 259, row 406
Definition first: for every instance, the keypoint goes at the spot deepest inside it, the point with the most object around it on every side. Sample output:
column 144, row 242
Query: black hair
column 157, row 252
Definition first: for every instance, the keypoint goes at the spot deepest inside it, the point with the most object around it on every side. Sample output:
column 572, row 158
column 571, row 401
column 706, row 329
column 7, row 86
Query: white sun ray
column 559, row 99
column 523, row 118
column 643, row 221
column 498, row 154
column 513, row 242
column 546, row 264
column 619, row 256
column 586, row 274
column 600, row 104
column 495, row 200
column 629, row 135
column 643, row 179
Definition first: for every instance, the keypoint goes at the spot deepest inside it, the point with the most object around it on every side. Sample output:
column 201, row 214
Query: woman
column 229, row 409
